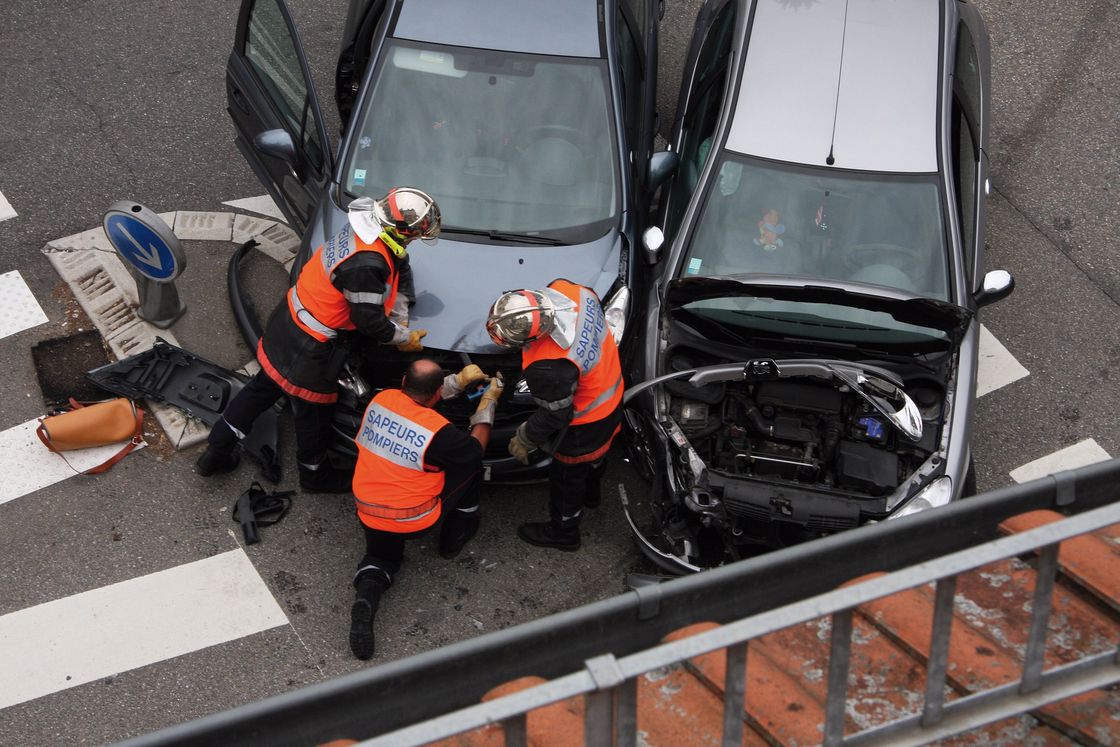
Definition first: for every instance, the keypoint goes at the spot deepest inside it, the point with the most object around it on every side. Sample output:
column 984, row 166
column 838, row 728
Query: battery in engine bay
column 871, row 429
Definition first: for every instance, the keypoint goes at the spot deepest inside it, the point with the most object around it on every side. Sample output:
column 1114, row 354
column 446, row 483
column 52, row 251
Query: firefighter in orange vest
column 358, row 280
column 571, row 366
column 414, row 467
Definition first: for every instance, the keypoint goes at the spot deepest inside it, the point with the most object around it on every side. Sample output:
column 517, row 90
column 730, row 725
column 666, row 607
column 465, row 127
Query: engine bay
column 802, row 431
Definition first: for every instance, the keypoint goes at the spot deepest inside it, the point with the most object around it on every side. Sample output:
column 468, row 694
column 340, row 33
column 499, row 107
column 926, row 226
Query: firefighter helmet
column 519, row 317
column 412, row 213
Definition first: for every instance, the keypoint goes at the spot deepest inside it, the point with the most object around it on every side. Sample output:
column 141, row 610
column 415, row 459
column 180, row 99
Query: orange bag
column 101, row 423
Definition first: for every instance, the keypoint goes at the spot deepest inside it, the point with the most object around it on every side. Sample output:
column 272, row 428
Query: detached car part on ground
column 533, row 134
column 811, row 350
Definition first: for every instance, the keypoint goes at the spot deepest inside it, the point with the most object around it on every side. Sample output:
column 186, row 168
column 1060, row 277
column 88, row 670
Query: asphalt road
column 107, row 99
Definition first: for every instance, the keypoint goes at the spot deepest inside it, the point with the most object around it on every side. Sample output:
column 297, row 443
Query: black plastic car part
column 166, row 373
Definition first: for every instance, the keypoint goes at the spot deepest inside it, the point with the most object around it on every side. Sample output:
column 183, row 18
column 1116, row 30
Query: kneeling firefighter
column 414, row 467
column 359, row 280
column 571, row 366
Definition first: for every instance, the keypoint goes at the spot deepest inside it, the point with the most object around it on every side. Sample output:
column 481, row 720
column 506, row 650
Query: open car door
column 274, row 107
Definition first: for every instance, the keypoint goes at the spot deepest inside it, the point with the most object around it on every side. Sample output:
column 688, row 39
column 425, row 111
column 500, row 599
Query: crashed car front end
column 761, row 452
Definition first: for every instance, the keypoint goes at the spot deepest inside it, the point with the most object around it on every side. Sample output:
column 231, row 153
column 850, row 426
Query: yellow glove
column 484, row 413
column 454, row 384
column 519, row 446
column 413, row 344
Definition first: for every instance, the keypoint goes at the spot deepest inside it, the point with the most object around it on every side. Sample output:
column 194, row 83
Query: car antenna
column 831, row 159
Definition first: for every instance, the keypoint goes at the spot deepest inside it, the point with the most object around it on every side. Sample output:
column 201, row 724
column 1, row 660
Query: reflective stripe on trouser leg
column 370, row 570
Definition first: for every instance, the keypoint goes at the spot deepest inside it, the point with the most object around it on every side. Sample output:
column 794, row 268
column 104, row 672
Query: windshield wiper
column 522, row 238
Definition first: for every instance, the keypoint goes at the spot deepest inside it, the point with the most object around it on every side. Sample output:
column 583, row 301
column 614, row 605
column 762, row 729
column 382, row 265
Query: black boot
column 325, row 479
column 457, row 533
column 364, row 608
column 215, row 461
column 550, row 534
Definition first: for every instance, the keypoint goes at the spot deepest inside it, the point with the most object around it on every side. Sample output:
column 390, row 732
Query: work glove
column 413, row 344
column 484, row 413
column 456, row 383
column 520, row 446
column 399, row 313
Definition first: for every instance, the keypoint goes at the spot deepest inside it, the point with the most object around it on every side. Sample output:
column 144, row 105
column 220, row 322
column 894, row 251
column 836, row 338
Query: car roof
column 567, row 28
column 868, row 68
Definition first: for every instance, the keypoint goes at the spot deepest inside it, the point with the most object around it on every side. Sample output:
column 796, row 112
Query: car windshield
column 504, row 142
column 769, row 219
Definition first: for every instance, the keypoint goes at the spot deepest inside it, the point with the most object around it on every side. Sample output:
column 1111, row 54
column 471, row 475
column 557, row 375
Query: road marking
column 18, row 308
column 134, row 623
column 997, row 367
column 6, row 210
column 1071, row 457
column 28, row 466
column 262, row 204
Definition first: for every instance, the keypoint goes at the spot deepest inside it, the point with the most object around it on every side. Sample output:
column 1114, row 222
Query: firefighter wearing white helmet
column 357, row 281
column 571, row 366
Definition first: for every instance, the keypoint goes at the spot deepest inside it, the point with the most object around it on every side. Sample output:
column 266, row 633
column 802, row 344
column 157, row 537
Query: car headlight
column 615, row 311
column 937, row 493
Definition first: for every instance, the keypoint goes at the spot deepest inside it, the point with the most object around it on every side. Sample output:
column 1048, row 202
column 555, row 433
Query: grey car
column 530, row 122
column 809, row 363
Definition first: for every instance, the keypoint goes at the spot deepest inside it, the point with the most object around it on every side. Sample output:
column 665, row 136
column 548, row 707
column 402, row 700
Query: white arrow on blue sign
column 144, row 240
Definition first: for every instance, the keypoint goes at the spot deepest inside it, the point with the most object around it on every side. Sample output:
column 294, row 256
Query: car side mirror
column 278, row 144
column 652, row 240
column 998, row 285
column 662, row 165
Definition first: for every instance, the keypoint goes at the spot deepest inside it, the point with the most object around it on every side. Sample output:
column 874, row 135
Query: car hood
column 457, row 281
column 906, row 308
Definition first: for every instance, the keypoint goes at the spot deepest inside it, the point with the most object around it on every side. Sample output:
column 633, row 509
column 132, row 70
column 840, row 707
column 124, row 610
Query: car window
column 702, row 115
column 966, row 156
column 966, row 73
column 631, row 64
column 639, row 9
column 271, row 51
column 764, row 218
column 503, row 141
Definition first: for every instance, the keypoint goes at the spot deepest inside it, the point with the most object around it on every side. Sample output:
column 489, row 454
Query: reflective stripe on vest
column 320, row 309
column 391, row 482
column 593, row 351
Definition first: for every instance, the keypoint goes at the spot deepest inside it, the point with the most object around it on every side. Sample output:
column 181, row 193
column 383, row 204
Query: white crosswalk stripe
column 131, row 624
column 28, row 466
column 1080, row 454
column 6, row 209
column 997, row 366
column 18, row 308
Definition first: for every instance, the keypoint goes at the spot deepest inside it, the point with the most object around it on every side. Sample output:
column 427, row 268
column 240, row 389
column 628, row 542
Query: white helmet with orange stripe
column 519, row 317
column 406, row 213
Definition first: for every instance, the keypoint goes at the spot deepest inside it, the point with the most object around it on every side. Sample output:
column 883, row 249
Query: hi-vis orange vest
column 393, row 490
column 320, row 309
column 600, row 374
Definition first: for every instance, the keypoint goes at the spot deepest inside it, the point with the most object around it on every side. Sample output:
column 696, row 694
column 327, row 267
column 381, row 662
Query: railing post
column 734, row 688
column 599, row 705
column 516, row 731
column 939, row 651
column 838, row 658
column 626, row 713
column 1040, row 618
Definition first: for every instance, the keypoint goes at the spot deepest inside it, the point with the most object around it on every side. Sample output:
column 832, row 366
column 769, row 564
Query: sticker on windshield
column 694, row 265
column 359, row 177
column 434, row 57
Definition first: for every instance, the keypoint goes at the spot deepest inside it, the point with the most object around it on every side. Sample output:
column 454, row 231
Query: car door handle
column 239, row 99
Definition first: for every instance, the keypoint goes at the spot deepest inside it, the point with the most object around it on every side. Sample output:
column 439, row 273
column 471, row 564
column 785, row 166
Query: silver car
column 810, row 360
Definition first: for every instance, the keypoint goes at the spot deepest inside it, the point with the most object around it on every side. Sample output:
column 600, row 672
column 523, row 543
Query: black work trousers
column 313, row 421
column 571, row 487
column 385, row 550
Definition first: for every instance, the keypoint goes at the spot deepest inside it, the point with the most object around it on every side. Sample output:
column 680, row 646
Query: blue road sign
column 144, row 240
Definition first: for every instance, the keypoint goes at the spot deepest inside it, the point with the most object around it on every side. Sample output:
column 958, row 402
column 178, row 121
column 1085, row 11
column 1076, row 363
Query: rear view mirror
column 662, row 165
column 998, row 285
column 278, row 144
column 652, row 239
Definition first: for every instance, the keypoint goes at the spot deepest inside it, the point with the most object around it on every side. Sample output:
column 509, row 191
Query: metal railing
column 435, row 695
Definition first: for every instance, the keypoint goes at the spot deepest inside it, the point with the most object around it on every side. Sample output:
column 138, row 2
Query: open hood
column 906, row 308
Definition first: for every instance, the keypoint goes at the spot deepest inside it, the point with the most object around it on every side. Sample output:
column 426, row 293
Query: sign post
column 154, row 256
